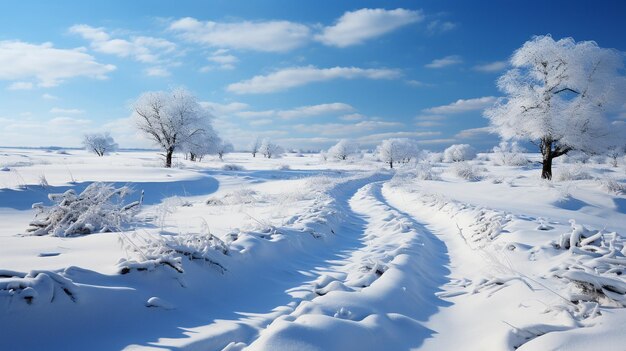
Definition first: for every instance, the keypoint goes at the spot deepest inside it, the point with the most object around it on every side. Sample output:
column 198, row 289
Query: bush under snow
column 458, row 153
column 99, row 208
column 466, row 171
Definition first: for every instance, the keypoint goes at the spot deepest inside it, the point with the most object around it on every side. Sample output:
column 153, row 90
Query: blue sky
column 302, row 73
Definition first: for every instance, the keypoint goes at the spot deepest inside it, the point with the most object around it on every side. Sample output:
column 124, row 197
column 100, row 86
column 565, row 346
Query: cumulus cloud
column 140, row 48
column 355, row 27
column 218, row 110
column 439, row 26
column 298, row 76
column 463, row 105
column 47, row 64
column 315, row 110
column 66, row 111
column 345, row 129
column 352, row 117
column 47, row 96
column 445, row 62
column 496, row 66
column 473, row 133
column 378, row 137
column 157, row 71
column 267, row 36
column 20, row 86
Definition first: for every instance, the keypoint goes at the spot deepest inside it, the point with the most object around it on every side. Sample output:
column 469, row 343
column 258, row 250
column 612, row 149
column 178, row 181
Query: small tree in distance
column 223, row 148
column 557, row 96
column 269, row 149
column 342, row 150
column 99, row 143
column 170, row 119
column 397, row 150
column 254, row 147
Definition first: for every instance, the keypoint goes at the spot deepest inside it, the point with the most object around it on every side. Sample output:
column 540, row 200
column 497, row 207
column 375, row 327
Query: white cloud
column 268, row 36
column 218, row 109
column 378, row 137
column 428, row 124
column 355, row 27
column 50, row 66
column 345, row 129
column 496, row 66
column 473, row 133
column 68, row 121
column 445, row 62
column 463, row 105
column 255, row 114
column 221, row 59
column 157, row 71
column 66, row 111
column 261, row 122
column 140, row 48
column 47, row 96
column 438, row 26
column 298, row 76
column 20, row 86
column 316, row 110
column 352, row 117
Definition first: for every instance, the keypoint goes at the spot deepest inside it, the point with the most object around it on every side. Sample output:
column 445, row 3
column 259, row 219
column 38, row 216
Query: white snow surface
column 297, row 253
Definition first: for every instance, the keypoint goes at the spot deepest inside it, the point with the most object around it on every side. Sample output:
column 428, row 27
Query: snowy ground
column 297, row 253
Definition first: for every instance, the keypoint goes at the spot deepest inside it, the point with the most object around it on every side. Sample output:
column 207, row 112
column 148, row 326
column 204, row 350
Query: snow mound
column 35, row 287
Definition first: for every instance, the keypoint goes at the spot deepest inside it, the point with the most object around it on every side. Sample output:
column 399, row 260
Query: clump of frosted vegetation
column 508, row 154
column 433, row 157
column 232, row 167
column 612, row 185
column 466, row 171
column 99, row 208
column 459, row 153
column 575, row 157
column 425, row 171
column 342, row 150
column 572, row 172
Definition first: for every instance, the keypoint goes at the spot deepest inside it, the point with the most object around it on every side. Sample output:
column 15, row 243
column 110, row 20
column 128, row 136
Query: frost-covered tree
column 223, row 148
column 99, row 143
column 342, row 150
column 254, row 146
column 269, row 149
column 203, row 143
column 392, row 151
column 458, row 153
column 558, row 94
column 170, row 119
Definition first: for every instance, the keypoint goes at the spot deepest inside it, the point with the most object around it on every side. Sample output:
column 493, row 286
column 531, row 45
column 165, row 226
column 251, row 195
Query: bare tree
column 223, row 148
column 99, row 143
column 254, row 147
column 558, row 94
column 170, row 119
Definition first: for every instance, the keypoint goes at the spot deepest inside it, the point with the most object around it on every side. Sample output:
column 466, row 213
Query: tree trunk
column 254, row 154
column 168, row 157
column 546, row 169
column 390, row 164
column 546, row 152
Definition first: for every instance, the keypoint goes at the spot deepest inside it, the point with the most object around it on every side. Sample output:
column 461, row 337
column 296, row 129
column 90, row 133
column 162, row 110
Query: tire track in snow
column 376, row 295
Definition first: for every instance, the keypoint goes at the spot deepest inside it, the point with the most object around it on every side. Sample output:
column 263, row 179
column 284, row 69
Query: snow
column 301, row 253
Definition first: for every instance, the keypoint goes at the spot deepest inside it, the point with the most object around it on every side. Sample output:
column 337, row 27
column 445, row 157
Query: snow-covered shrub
column 575, row 157
column 572, row 172
column 614, row 155
column 232, row 167
column 508, row 154
column 466, row 171
column 458, row 153
column 425, row 171
column 99, row 208
column 151, row 252
column 612, row 185
column 434, row 157
column 99, row 143
column 43, row 181
column 342, row 150
column 283, row 167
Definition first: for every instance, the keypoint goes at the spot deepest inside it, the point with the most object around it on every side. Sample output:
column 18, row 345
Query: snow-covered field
column 298, row 253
